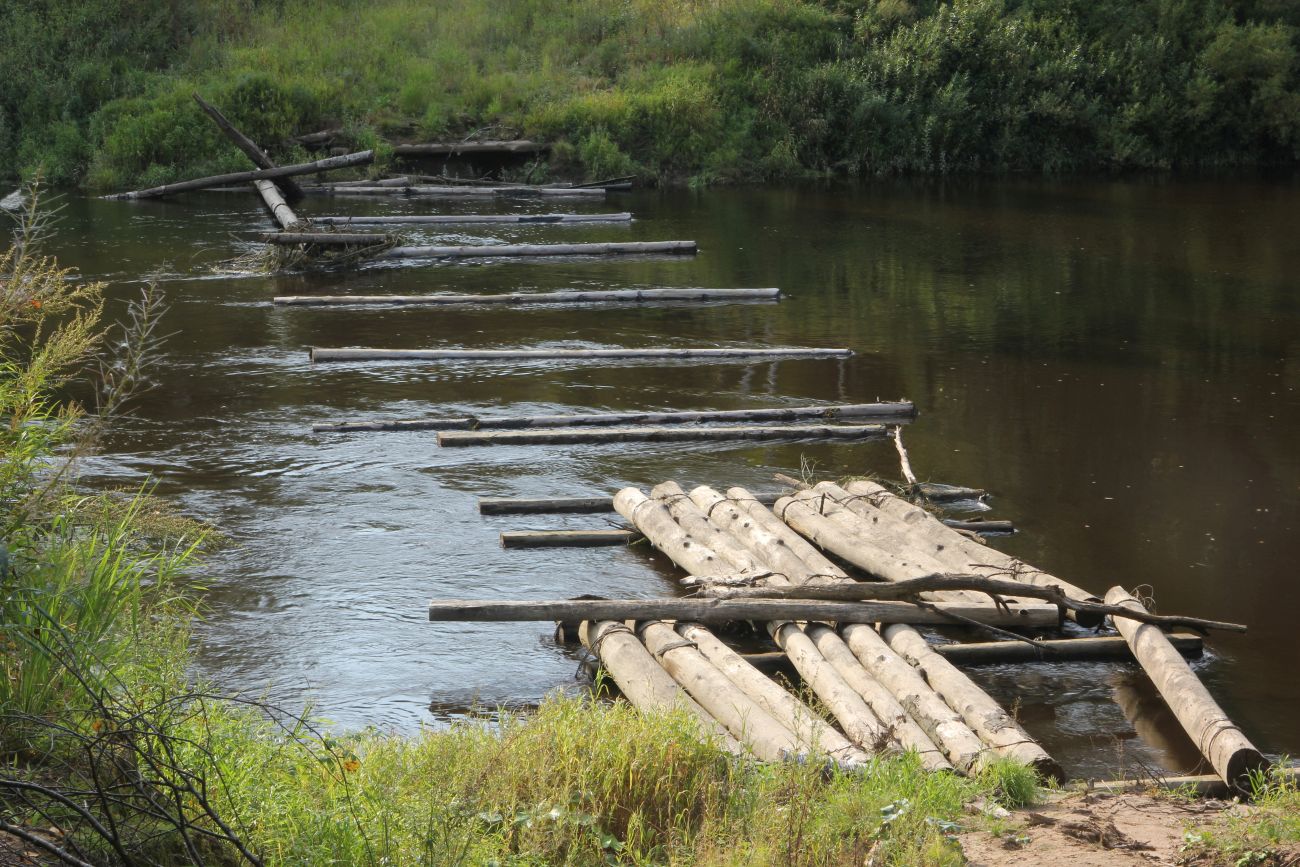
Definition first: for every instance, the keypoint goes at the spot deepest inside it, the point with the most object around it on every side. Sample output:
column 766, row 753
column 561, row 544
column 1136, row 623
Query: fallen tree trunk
column 279, row 208
column 660, row 435
column 985, row 717
column 583, row 297
column 1222, row 743
column 324, row 165
column 292, row 192
column 421, row 219
column 732, row 610
column 618, row 418
column 438, row 149
column 621, row 248
column 760, row 354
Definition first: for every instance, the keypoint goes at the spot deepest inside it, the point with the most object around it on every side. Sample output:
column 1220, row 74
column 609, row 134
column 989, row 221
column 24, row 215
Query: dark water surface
column 1118, row 362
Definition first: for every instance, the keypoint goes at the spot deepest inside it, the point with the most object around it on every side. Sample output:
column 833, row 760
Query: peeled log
column 569, row 538
column 685, row 433
column 985, row 717
column 324, row 165
column 417, row 219
column 645, row 684
column 773, row 698
column 756, row 353
column 598, row 296
column 739, row 714
column 1222, row 743
column 279, row 208
column 480, row 251
column 926, row 526
column 756, row 507
column 943, row 724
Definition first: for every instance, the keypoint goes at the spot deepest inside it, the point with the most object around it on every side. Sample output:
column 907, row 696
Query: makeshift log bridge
column 886, row 690
column 589, row 296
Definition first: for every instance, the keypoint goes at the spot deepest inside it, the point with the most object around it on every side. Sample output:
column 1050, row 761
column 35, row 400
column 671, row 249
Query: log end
column 1242, row 766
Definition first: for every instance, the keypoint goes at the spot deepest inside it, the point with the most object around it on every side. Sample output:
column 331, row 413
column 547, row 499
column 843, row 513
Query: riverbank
column 675, row 91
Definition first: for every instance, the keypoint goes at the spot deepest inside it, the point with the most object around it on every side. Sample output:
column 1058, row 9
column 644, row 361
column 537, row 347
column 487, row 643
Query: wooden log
column 317, row 139
column 571, row 436
column 1201, row 785
column 925, row 526
column 1057, row 649
column 942, row 724
column 440, row 149
column 577, row 297
column 324, row 165
column 569, row 538
column 985, row 717
column 695, row 522
column 292, row 192
column 565, row 505
column 807, row 726
column 755, row 353
column 739, row 714
column 422, row 219
column 324, row 238
column 657, row 524
column 479, row 251
column 1222, row 743
column 984, row 528
column 441, row 192
column 756, row 507
column 707, row 610
column 275, row 202
column 642, row 681
column 611, row 418
column 767, row 545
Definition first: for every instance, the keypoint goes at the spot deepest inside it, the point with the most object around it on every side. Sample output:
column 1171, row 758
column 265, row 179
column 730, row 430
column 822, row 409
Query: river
column 1117, row 361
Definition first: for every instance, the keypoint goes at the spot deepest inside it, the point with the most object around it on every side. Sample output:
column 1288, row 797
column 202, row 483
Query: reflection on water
column 1116, row 361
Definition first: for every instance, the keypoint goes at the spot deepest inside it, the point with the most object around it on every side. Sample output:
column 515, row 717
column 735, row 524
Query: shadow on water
column 1116, row 361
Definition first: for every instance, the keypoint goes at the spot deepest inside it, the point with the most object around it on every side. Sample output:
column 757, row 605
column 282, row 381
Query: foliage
column 742, row 89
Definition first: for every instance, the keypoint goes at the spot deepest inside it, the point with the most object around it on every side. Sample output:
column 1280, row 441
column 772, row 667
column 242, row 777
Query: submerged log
column 324, row 238
column 440, row 149
column 569, row 538
column 292, row 192
column 645, row 684
column 426, row 190
column 1057, row 649
column 581, row 297
column 1222, row 743
column 275, row 202
column 985, row 717
column 419, row 219
column 758, row 354
column 324, row 165
column 660, row 434
column 619, row 248
column 618, row 418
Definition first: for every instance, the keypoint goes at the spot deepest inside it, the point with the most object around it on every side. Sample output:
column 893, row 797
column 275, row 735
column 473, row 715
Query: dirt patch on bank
column 1107, row 830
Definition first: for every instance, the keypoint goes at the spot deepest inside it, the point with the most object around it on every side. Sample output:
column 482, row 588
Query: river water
column 1118, row 362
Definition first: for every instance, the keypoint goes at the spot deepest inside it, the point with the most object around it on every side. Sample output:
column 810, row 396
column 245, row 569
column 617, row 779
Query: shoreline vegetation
column 98, row 91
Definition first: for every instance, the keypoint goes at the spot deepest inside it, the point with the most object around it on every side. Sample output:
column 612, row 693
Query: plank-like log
column 599, row 419
column 773, row 698
column 421, row 219
column 292, row 192
column 1201, row 785
column 480, row 251
column 1222, row 743
column 325, row 165
column 569, row 538
column 446, row 192
column 275, row 203
column 685, row 433
column 755, row 353
column 443, row 148
column 731, row 610
column 985, row 717
column 1058, row 649
column 641, row 680
column 925, row 526
column 548, row 506
column 324, row 238
column 597, row 296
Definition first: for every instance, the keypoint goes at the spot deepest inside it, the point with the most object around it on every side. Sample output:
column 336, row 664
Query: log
column 809, row 728
column 925, row 526
column 438, row 149
column 421, row 219
column 696, row 523
column 1201, row 785
column 756, row 353
column 1057, row 649
column 444, row 192
column 1222, row 743
column 769, row 545
column 324, row 238
column 617, row 418
column 569, row 538
column 739, row 714
column 641, row 680
column 323, row 137
column 572, row 436
column 984, row 528
column 942, row 724
column 705, row 610
column 582, row 297
column 325, row 165
column 292, row 192
column 657, row 524
column 620, row 248
column 549, row 506
column 275, row 202
column 985, row 717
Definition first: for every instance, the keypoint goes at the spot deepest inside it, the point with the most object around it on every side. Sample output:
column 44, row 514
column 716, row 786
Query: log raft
column 588, row 296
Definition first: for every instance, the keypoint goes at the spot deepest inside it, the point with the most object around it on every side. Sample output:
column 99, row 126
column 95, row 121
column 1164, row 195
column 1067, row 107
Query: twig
column 903, row 460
